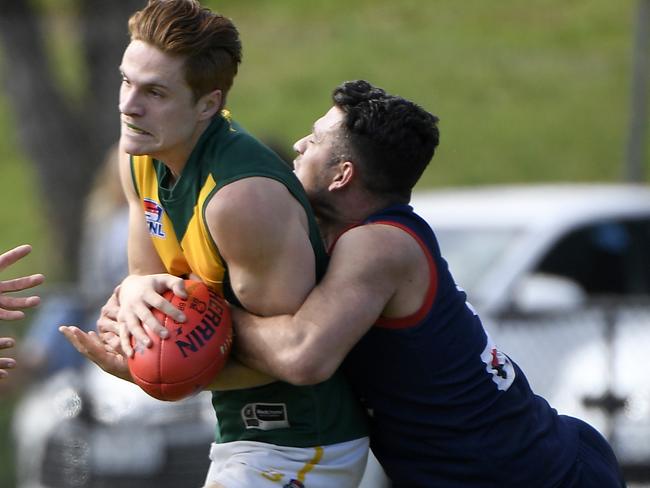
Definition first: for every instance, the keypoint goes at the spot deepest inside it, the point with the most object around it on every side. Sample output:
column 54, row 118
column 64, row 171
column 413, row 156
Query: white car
column 561, row 277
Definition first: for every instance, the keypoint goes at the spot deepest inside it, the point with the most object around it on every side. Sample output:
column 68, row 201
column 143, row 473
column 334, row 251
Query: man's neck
column 335, row 220
column 176, row 159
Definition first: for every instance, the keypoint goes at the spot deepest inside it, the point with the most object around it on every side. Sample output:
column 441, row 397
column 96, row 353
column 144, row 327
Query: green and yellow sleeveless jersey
column 277, row 413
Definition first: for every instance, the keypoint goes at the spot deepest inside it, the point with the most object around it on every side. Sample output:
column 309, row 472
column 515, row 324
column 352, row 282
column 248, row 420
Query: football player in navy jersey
column 447, row 407
column 11, row 307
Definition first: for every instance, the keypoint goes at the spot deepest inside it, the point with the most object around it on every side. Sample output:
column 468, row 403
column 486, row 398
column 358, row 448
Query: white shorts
column 247, row 464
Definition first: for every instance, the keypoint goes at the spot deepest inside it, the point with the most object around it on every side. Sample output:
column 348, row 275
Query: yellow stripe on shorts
column 318, row 455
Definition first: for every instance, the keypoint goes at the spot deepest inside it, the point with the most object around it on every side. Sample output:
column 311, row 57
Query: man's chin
column 132, row 149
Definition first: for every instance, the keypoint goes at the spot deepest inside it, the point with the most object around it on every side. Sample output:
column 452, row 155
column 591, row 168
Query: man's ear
column 344, row 175
column 209, row 104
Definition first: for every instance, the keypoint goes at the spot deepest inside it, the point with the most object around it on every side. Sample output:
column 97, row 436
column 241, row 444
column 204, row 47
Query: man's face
column 158, row 113
column 314, row 166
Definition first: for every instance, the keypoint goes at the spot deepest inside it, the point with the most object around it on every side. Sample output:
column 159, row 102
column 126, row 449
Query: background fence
column 591, row 363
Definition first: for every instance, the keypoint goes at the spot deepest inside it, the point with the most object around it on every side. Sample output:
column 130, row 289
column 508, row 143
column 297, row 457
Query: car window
column 471, row 252
column 605, row 258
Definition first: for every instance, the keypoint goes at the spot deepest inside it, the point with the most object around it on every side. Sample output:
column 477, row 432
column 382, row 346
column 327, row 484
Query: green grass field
column 526, row 92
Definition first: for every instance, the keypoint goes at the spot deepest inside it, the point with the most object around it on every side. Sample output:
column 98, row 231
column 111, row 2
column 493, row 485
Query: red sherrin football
column 194, row 352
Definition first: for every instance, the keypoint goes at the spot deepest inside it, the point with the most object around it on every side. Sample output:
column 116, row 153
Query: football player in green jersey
column 208, row 200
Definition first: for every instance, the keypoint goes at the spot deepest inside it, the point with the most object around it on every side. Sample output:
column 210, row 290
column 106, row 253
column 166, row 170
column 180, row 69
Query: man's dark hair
column 390, row 138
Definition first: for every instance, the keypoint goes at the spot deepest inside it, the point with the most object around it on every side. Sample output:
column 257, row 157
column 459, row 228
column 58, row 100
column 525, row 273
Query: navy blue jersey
column 447, row 408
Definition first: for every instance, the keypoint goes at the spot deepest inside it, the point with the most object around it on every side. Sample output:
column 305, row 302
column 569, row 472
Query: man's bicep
column 277, row 281
column 270, row 259
column 349, row 299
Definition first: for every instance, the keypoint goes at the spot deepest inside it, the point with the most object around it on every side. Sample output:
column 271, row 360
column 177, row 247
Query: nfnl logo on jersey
column 153, row 212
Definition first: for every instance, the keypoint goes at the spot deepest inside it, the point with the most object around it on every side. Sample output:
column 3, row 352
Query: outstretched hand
column 101, row 353
column 10, row 307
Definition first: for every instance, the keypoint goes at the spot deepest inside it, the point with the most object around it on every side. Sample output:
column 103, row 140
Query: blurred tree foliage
column 64, row 99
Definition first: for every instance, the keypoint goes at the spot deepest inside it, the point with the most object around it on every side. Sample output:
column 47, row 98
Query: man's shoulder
column 251, row 197
column 381, row 238
column 234, row 142
column 383, row 250
column 242, row 155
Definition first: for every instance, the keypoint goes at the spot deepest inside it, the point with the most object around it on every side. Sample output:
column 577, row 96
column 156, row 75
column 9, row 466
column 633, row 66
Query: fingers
column 9, row 306
column 97, row 346
column 137, row 304
column 109, row 328
column 107, row 321
column 163, row 282
column 10, row 257
column 90, row 345
column 11, row 314
column 19, row 302
column 6, row 363
column 139, row 297
column 158, row 302
column 76, row 337
column 23, row 283
column 125, row 341
column 112, row 306
column 112, row 342
column 106, row 325
column 139, row 325
column 87, row 344
column 130, row 325
column 178, row 287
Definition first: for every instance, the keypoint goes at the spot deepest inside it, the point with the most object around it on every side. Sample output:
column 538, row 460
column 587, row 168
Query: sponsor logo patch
column 265, row 416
